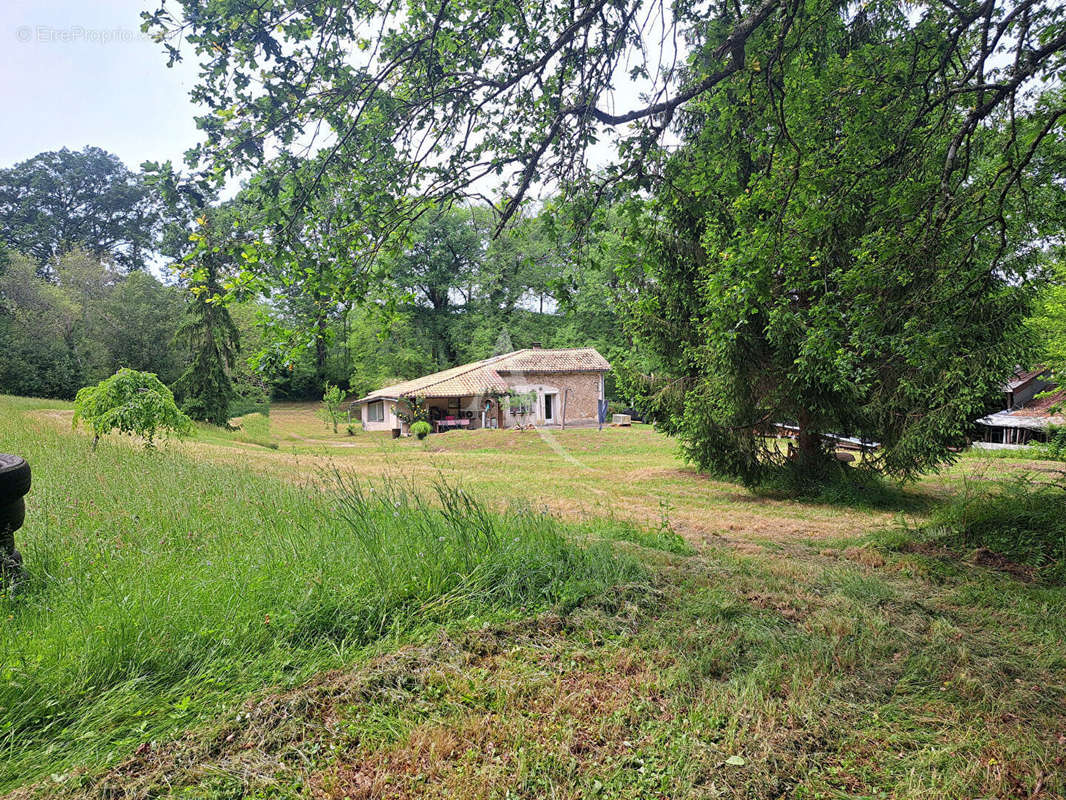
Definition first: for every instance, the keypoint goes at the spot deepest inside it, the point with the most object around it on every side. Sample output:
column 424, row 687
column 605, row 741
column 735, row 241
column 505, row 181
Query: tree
column 385, row 349
column 435, row 266
column 521, row 92
column 1048, row 322
column 332, row 399
column 139, row 318
column 37, row 324
column 811, row 260
column 58, row 200
column 207, row 330
column 81, row 324
column 131, row 402
column 306, row 258
column 208, row 243
column 503, row 343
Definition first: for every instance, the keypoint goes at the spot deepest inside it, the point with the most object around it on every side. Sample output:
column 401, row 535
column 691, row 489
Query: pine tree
column 503, row 343
column 211, row 337
column 804, row 265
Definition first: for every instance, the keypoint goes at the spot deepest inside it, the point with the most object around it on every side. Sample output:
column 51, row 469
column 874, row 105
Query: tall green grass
column 162, row 591
column 1023, row 520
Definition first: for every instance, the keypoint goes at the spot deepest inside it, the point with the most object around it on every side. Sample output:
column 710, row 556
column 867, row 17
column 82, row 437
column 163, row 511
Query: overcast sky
column 79, row 72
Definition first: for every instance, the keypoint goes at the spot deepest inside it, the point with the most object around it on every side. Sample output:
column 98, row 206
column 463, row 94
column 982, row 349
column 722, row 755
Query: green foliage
column 249, row 397
column 385, row 348
column 163, row 588
column 1048, row 322
column 1055, row 446
column 421, row 429
column 412, row 410
column 844, row 242
column 63, row 199
column 131, row 402
column 1023, row 520
column 332, row 399
column 663, row 538
column 813, row 260
column 82, row 323
column 207, row 331
column 136, row 322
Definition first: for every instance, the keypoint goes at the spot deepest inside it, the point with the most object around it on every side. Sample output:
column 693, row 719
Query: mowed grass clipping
column 162, row 591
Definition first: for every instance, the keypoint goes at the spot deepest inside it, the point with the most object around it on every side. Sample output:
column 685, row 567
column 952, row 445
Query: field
column 506, row 614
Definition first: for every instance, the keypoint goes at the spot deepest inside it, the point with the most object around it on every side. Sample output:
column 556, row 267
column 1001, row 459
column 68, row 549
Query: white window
column 375, row 412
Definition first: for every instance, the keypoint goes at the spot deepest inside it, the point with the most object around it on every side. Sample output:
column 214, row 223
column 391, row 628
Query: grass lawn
column 220, row 619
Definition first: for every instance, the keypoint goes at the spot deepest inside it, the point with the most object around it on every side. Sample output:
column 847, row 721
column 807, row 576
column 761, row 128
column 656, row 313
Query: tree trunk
column 320, row 346
column 809, row 446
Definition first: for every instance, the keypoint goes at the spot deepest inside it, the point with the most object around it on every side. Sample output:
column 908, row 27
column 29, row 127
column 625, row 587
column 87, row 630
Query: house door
column 549, row 407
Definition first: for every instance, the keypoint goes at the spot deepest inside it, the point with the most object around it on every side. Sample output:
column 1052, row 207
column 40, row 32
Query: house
column 1025, row 416
column 535, row 386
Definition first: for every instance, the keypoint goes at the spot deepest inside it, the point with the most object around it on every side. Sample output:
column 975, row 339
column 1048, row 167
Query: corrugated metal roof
column 1012, row 419
column 483, row 377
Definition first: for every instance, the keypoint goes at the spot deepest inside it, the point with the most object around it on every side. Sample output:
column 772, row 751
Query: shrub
column 421, row 429
column 1055, row 446
column 332, row 399
column 131, row 402
column 249, row 398
column 1023, row 520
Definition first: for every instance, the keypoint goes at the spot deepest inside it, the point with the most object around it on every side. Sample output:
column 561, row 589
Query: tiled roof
column 483, row 377
column 1041, row 406
column 582, row 359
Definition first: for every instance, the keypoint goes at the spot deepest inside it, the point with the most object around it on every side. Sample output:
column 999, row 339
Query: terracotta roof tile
column 583, row 359
column 482, row 377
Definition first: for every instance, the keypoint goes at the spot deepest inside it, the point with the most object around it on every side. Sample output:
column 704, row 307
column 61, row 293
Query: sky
column 80, row 72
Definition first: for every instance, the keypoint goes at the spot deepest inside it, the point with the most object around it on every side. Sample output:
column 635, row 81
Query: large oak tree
column 63, row 199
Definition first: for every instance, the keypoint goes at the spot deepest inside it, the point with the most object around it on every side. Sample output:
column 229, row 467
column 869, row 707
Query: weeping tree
column 131, row 402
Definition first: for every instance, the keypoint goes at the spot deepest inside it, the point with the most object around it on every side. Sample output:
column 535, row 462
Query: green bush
column 1055, row 446
column 1023, row 521
column 249, row 398
column 131, row 402
column 421, row 429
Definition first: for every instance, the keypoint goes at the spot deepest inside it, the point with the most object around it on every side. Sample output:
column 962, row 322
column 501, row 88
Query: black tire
column 12, row 515
column 14, row 478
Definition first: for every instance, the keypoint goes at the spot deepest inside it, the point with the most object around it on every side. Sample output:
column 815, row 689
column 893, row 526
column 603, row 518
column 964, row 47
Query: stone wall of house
column 581, row 401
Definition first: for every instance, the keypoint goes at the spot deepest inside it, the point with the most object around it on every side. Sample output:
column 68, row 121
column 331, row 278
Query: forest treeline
column 81, row 297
